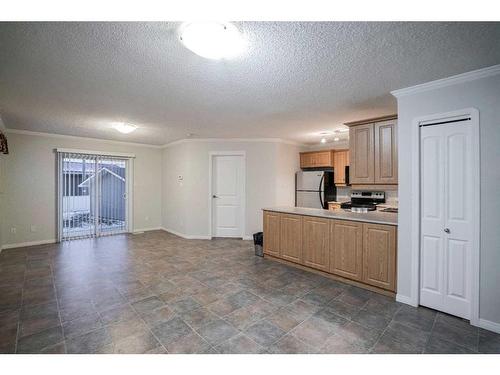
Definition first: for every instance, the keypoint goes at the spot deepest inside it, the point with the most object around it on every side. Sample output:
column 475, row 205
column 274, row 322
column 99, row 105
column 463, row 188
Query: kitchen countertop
column 376, row 217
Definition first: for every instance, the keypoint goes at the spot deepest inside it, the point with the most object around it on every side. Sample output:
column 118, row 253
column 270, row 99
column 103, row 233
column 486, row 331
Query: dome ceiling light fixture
column 213, row 40
column 324, row 136
column 124, row 128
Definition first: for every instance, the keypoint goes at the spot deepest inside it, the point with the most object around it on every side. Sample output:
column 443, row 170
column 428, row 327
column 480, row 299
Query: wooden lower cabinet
column 379, row 256
column 291, row 237
column 315, row 243
column 346, row 249
column 272, row 233
column 362, row 252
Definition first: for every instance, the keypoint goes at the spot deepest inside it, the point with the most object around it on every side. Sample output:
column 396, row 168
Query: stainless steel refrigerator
column 314, row 189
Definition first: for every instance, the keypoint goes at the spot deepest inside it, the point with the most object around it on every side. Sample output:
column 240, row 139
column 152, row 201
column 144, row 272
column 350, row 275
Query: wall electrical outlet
column 13, row 230
column 33, row 228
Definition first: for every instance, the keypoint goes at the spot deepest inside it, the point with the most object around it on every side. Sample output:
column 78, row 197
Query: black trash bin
column 258, row 241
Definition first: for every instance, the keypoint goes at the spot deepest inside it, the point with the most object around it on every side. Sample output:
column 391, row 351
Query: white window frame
column 129, row 190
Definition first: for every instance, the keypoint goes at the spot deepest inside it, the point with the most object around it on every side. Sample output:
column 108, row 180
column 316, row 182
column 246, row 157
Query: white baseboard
column 26, row 244
column 187, row 236
column 142, row 230
column 404, row 299
column 489, row 325
column 247, row 238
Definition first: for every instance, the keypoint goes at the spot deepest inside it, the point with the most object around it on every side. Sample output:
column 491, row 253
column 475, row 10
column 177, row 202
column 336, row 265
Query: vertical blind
column 92, row 195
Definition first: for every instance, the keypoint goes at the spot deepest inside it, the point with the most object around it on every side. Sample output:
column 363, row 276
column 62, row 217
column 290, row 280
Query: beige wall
column 270, row 181
column 29, row 196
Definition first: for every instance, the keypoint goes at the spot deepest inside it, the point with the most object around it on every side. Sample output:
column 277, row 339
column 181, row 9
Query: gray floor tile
column 189, row 344
column 218, row 287
column 158, row 315
column 93, row 342
column 242, row 298
column 329, row 316
column 184, row 305
column 81, row 325
column 117, row 314
column 439, row 346
column 172, row 330
column 420, row 318
column 35, row 343
column 217, row 331
column 312, row 332
column 386, row 345
column 456, row 335
column 343, row 309
column 358, row 335
column 340, row 345
column 239, row 344
column 489, row 342
column 126, row 328
column 264, row 332
column 407, row 335
column 137, row 344
column 148, row 304
column 371, row 320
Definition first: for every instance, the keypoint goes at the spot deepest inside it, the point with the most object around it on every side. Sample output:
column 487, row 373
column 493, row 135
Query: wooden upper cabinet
column 379, row 256
column 271, row 233
column 373, row 151
column 291, row 237
column 361, row 146
column 316, row 159
column 315, row 243
column 386, row 154
column 340, row 162
column 346, row 249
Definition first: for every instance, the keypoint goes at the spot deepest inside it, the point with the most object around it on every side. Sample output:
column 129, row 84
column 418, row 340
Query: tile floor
column 158, row 293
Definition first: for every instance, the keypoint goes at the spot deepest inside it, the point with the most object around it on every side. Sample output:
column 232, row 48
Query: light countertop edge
column 375, row 217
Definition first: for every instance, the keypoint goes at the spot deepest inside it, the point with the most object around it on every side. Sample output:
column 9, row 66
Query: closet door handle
column 447, row 230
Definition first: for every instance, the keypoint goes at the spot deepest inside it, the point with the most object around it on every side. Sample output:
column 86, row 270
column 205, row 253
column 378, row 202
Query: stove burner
column 364, row 201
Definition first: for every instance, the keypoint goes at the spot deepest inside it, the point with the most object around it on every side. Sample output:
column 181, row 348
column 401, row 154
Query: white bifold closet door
column 92, row 195
column 447, row 218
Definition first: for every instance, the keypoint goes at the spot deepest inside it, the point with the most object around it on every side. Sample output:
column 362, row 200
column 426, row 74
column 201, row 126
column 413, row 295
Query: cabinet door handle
column 447, row 230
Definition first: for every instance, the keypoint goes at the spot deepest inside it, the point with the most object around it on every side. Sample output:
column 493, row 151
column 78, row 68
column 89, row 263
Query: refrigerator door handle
column 320, row 197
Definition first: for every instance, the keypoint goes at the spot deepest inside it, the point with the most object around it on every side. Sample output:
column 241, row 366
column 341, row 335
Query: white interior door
column 227, row 195
column 447, row 218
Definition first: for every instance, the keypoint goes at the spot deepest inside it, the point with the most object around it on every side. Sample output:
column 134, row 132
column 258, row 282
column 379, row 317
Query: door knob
column 215, row 196
column 446, row 230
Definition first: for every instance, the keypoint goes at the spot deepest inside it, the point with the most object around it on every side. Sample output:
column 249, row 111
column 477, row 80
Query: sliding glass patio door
column 92, row 195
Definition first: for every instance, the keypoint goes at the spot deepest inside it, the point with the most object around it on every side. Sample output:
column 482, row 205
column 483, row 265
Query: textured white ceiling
column 297, row 79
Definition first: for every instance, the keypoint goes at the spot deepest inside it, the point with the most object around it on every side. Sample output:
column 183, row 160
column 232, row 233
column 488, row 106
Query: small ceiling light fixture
column 213, row 40
column 124, row 127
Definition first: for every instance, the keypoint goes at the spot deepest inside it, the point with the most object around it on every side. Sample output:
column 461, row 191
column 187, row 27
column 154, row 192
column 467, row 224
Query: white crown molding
column 453, row 80
column 195, row 140
column 63, row 136
column 180, row 141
